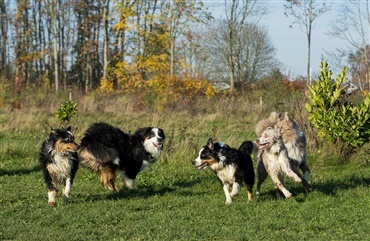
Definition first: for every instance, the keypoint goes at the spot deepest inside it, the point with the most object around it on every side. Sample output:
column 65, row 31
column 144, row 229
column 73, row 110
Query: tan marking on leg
column 108, row 178
column 249, row 192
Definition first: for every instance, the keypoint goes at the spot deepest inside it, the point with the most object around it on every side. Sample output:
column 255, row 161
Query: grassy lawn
column 172, row 199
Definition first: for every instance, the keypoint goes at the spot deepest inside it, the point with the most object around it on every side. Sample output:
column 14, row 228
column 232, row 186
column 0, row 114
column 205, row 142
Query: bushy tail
column 247, row 147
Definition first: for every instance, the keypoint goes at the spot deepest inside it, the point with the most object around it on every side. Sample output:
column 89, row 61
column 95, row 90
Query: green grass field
column 172, row 199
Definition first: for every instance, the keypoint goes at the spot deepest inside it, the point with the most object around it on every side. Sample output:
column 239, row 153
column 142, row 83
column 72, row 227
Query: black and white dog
column 59, row 162
column 231, row 166
column 107, row 150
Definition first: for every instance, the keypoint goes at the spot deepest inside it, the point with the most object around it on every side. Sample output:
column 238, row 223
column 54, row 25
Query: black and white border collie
column 59, row 162
column 107, row 150
column 231, row 166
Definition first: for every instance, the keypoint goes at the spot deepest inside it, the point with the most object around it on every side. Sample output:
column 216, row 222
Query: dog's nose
column 159, row 139
column 193, row 162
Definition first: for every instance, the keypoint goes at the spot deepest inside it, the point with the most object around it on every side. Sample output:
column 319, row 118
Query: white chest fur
column 61, row 167
column 227, row 174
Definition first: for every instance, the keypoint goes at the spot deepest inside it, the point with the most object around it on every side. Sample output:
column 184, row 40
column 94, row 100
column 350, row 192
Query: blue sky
column 291, row 43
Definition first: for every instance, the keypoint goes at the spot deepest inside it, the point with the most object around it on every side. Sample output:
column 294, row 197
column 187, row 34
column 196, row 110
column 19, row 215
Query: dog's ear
column 286, row 117
column 161, row 133
column 141, row 132
column 69, row 128
column 210, row 144
column 274, row 116
column 279, row 130
column 53, row 131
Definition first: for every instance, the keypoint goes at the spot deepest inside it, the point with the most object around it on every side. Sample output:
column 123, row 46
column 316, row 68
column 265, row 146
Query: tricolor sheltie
column 231, row 166
column 107, row 150
column 59, row 162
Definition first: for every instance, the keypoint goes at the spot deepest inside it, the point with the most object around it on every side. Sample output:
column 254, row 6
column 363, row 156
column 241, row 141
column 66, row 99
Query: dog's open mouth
column 262, row 145
column 158, row 144
column 204, row 165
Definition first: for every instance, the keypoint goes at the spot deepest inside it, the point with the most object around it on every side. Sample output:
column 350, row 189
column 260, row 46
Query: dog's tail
column 247, row 146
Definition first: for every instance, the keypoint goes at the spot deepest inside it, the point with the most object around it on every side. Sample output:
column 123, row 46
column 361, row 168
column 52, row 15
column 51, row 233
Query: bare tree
column 106, row 39
column 4, row 27
column 253, row 60
column 237, row 14
column 178, row 15
column 352, row 26
column 305, row 12
column 55, row 18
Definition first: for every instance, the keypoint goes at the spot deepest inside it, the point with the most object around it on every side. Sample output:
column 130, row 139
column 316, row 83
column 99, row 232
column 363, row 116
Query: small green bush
column 336, row 119
column 66, row 112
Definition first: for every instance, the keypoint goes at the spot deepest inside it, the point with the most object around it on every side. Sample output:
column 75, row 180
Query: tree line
column 118, row 44
column 56, row 44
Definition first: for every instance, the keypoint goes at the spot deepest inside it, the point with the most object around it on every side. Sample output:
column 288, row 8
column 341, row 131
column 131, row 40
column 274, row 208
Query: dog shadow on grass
column 331, row 187
column 146, row 191
column 21, row 171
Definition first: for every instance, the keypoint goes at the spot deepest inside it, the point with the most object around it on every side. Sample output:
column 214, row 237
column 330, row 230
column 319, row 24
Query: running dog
column 231, row 166
column 275, row 162
column 59, row 162
column 293, row 137
column 107, row 150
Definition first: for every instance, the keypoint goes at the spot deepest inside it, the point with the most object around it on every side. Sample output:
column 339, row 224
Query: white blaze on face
column 152, row 145
column 198, row 161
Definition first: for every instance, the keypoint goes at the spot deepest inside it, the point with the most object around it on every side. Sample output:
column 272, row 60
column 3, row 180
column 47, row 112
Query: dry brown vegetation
column 239, row 111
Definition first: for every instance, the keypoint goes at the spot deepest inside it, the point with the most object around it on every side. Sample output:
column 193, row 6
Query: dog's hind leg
column 262, row 175
column 249, row 192
column 226, row 187
column 306, row 171
column 303, row 180
column 108, row 178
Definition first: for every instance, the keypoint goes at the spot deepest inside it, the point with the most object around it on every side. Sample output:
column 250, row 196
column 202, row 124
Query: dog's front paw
column 288, row 195
column 234, row 194
column 310, row 189
column 228, row 202
column 298, row 180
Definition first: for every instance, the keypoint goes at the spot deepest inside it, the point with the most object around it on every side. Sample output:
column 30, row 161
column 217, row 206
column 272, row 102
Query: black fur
column 219, row 156
column 115, row 150
column 242, row 160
